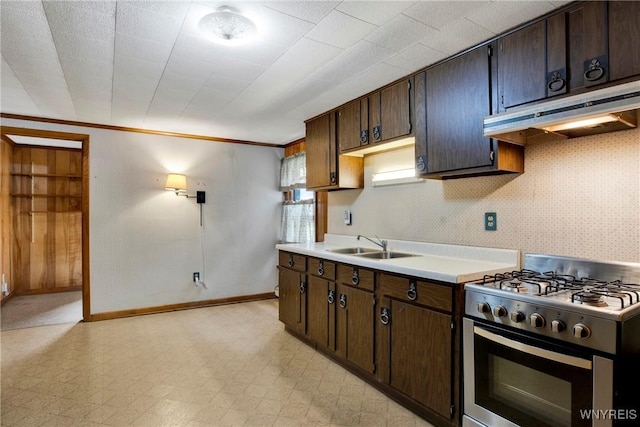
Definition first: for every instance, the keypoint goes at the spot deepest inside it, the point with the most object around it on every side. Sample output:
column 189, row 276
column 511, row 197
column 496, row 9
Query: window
column 298, row 209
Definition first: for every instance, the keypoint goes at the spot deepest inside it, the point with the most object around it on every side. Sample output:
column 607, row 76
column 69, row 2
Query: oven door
column 512, row 380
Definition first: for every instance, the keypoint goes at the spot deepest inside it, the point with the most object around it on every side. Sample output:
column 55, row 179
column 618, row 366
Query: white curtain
column 298, row 217
column 298, row 223
column 293, row 172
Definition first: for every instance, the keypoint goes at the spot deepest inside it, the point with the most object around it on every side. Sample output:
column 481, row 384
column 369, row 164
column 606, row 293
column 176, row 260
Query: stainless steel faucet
column 381, row 243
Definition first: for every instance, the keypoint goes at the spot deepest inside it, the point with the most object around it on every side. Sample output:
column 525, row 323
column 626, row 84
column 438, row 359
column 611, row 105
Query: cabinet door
column 522, row 66
column 557, row 77
column 292, row 299
column 395, row 112
column 587, row 38
column 321, row 152
column 457, row 101
column 624, row 39
column 321, row 301
column 416, row 353
column 354, row 326
column 350, row 135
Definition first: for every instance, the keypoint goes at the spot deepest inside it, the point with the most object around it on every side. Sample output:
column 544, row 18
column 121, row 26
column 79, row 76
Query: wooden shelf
column 45, row 175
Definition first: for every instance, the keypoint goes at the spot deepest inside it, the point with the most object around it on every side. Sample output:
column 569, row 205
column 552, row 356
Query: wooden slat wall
column 6, row 214
column 48, row 256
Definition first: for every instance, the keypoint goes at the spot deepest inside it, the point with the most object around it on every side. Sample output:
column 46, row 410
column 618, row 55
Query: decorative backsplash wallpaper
column 579, row 197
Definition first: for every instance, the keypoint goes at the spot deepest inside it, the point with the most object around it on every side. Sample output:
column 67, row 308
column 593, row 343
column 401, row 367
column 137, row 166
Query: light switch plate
column 347, row 217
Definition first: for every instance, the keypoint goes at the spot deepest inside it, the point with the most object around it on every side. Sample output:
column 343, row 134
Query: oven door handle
column 526, row 348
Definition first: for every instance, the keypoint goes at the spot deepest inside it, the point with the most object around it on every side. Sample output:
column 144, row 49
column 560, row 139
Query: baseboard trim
column 182, row 306
column 23, row 292
column 7, row 298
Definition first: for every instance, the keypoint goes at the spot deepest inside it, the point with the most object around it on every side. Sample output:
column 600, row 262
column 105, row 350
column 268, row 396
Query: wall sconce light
column 177, row 183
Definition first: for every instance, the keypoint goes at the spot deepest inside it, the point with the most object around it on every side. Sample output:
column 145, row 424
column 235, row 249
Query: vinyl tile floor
column 231, row 365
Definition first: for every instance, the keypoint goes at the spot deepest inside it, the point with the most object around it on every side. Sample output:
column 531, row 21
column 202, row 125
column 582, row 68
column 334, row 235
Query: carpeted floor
column 39, row 310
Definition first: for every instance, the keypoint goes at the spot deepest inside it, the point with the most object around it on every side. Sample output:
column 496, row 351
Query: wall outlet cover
column 490, row 221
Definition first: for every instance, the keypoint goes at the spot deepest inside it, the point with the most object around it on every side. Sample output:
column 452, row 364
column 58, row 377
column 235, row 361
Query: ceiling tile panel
column 457, row 36
column 282, row 29
column 312, row 11
column 134, row 19
column 437, row 14
column 374, row 12
column 340, row 30
column 352, row 61
column 400, row 33
column 503, row 15
column 90, row 20
column 140, row 48
column 415, row 57
column 135, row 79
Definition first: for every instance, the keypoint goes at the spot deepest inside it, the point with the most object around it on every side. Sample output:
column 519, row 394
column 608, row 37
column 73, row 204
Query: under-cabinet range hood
column 603, row 110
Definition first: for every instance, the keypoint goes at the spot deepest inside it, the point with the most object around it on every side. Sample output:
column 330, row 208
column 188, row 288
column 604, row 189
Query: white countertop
column 447, row 263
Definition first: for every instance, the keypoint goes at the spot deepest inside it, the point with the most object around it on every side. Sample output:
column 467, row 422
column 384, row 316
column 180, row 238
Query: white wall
column 577, row 198
column 145, row 242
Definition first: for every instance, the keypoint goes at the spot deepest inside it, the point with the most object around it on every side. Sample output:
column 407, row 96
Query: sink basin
column 386, row 255
column 354, row 251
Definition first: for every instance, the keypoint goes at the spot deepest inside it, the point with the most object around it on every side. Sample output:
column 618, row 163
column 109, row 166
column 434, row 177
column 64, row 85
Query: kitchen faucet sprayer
column 381, row 243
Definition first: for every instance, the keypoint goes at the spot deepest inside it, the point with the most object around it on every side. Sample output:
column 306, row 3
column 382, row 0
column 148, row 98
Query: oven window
column 530, row 390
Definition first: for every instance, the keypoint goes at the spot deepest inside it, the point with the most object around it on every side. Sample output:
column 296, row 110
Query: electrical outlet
column 196, row 277
column 490, row 221
column 4, row 288
column 347, row 217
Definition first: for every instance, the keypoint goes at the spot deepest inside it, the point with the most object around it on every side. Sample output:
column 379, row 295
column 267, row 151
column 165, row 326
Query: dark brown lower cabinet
column 415, row 353
column 321, row 311
column 355, row 326
column 292, row 305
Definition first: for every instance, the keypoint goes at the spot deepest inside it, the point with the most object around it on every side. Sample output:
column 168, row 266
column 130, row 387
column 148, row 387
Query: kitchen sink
column 354, row 250
column 386, row 255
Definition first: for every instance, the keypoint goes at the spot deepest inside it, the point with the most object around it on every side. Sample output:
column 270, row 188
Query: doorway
column 49, row 230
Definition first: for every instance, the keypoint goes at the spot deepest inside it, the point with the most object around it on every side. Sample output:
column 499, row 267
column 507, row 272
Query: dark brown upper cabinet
column 521, row 66
column 377, row 118
column 353, row 125
column 624, row 39
column 587, row 53
column 326, row 170
column 451, row 102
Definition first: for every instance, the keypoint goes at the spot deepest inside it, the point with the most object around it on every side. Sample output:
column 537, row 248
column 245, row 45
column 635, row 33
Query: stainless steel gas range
column 555, row 344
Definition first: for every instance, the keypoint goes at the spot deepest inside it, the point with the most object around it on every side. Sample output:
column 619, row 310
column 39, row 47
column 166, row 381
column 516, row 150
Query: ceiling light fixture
column 227, row 26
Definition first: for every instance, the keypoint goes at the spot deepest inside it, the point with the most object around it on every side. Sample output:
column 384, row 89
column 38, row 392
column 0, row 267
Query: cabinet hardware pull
column 421, row 165
column 377, row 132
column 594, row 70
column 556, row 83
column 333, row 178
column 355, row 277
column 331, row 297
column 321, row 268
column 290, row 262
column 343, row 300
column 385, row 316
column 302, row 287
column 412, row 293
column 364, row 136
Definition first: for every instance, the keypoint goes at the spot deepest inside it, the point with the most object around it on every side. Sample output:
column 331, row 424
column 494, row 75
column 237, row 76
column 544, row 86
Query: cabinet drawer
column 322, row 268
column 418, row 291
column 293, row 261
column 355, row 276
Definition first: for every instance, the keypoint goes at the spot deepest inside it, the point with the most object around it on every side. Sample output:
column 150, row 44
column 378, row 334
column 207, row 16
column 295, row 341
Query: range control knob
column 484, row 307
column 517, row 316
column 581, row 331
column 558, row 325
column 499, row 311
column 537, row 320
